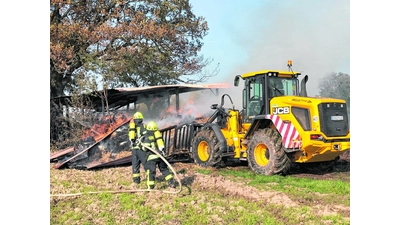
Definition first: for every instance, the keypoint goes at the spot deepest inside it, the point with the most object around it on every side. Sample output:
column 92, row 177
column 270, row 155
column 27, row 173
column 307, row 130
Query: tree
column 124, row 43
column 335, row 85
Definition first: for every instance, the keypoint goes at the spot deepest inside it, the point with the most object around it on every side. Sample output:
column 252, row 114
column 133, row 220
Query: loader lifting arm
column 220, row 114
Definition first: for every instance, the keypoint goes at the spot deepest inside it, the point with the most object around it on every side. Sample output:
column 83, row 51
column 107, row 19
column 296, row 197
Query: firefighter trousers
column 149, row 163
column 136, row 166
column 163, row 167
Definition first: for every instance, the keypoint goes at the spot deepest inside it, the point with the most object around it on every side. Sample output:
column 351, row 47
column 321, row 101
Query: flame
column 105, row 126
column 189, row 111
column 190, row 101
column 170, row 109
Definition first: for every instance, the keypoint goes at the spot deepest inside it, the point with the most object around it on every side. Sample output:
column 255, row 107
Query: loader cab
column 260, row 87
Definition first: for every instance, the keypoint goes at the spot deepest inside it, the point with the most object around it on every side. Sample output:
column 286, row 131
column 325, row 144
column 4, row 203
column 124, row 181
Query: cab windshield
column 279, row 86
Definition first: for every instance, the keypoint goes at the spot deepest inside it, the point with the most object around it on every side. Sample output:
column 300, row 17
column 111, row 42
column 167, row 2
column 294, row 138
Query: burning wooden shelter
column 106, row 143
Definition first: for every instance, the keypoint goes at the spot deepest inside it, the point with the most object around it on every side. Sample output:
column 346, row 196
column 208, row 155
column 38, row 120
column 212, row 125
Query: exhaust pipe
column 303, row 91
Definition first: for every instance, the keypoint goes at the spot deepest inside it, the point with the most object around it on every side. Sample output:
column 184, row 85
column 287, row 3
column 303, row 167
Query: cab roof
column 280, row 72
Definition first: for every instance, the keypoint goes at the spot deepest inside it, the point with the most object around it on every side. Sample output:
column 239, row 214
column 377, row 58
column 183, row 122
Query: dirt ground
column 341, row 171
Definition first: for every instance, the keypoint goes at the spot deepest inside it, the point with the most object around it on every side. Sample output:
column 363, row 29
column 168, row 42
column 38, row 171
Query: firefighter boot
column 136, row 180
column 150, row 185
column 171, row 183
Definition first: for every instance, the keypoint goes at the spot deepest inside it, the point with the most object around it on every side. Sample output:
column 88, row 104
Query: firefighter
column 136, row 130
column 162, row 166
column 154, row 140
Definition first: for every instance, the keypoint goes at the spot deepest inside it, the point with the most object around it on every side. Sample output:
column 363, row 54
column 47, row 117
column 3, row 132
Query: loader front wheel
column 206, row 150
column 265, row 153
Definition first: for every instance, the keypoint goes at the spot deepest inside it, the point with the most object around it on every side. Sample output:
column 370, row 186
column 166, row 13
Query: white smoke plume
column 315, row 35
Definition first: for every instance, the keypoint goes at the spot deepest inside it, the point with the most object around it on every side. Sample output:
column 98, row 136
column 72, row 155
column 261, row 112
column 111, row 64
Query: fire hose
column 133, row 190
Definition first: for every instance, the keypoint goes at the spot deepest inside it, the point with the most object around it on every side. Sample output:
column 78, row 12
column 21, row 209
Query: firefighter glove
column 162, row 152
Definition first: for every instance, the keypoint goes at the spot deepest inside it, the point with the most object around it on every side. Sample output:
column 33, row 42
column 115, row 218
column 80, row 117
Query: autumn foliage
column 123, row 43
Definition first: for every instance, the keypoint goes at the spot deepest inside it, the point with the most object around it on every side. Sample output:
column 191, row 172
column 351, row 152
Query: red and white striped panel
column 287, row 131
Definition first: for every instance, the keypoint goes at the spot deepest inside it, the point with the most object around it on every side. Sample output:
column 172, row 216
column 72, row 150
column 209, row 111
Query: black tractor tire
column 266, row 155
column 206, row 149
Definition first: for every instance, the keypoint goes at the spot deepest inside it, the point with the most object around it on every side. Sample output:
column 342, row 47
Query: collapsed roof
column 120, row 97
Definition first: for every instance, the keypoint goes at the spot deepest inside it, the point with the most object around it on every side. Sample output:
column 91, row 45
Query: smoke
column 315, row 35
column 192, row 106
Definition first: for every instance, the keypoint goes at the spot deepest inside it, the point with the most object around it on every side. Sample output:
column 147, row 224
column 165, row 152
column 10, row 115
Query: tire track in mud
column 239, row 189
column 226, row 187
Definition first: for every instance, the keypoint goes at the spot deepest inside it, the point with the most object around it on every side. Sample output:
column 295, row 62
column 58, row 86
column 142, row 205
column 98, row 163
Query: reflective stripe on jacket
column 136, row 132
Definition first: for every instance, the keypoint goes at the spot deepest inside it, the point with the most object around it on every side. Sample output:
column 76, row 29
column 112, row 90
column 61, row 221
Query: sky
column 246, row 36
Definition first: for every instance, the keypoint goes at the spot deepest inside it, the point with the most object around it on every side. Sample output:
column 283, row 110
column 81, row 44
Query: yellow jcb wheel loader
column 278, row 127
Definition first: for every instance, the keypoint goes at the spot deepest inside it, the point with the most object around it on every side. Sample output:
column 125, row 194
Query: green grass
column 204, row 171
column 66, row 184
column 127, row 201
column 196, row 205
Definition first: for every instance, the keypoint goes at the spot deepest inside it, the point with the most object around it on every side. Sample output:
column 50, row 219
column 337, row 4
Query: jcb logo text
column 280, row 110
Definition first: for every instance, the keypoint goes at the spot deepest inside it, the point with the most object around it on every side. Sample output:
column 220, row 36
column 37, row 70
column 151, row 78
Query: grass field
column 233, row 195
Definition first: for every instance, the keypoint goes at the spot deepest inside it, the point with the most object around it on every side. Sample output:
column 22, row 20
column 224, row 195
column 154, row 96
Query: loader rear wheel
column 265, row 153
column 206, row 150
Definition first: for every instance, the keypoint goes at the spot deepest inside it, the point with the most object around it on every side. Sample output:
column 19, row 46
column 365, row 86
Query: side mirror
column 236, row 81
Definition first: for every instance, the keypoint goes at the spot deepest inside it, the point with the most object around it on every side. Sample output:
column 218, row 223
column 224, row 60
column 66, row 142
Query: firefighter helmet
column 138, row 117
column 152, row 126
